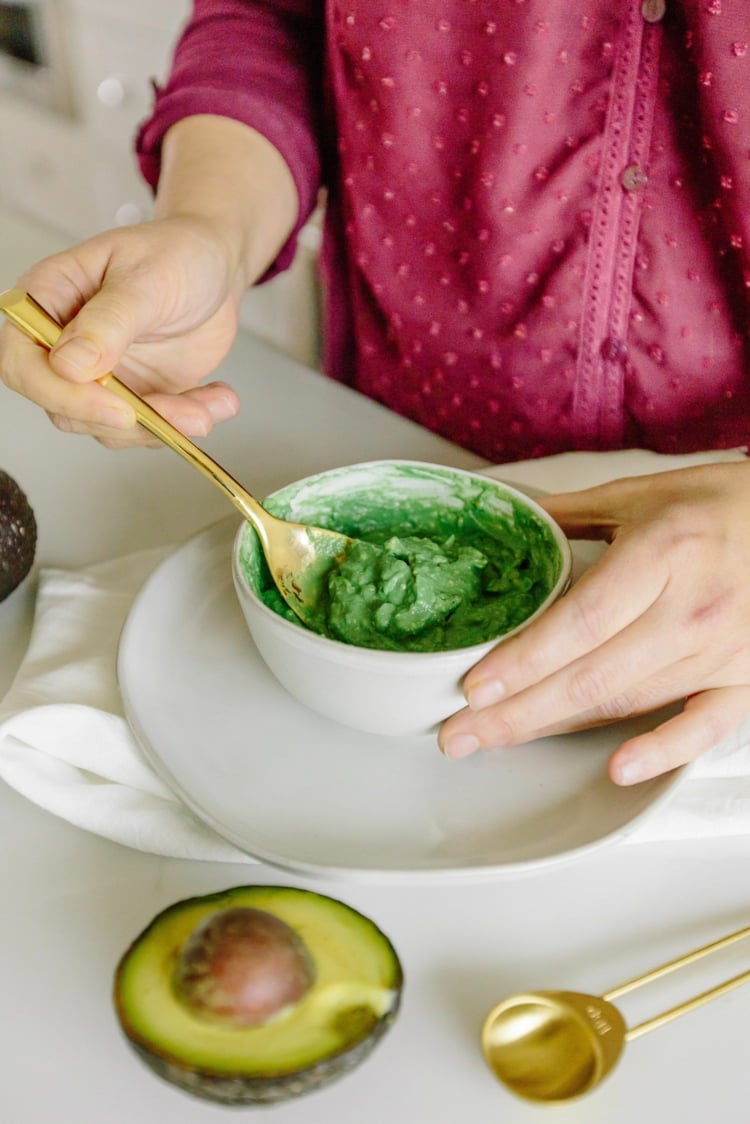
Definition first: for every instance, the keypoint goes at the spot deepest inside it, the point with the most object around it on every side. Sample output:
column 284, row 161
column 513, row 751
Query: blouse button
column 614, row 349
column 633, row 178
column 653, row 10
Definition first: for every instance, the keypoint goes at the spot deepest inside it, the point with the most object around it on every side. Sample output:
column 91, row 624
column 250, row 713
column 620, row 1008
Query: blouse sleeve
column 259, row 62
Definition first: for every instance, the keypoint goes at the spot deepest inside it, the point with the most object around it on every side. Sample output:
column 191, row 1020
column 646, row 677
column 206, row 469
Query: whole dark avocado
column 257, row 994
column 17, row 535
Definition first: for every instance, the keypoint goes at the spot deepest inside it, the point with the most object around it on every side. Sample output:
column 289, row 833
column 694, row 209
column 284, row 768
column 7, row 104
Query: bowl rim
column 342, row 651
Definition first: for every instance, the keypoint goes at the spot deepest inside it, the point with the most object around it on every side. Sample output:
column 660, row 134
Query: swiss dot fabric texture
column 537, row 219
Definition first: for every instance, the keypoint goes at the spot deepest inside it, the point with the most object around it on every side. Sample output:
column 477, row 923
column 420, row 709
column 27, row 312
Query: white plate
column 306, row 794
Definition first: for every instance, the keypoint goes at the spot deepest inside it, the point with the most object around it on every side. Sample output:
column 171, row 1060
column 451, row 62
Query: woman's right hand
column 157, row 303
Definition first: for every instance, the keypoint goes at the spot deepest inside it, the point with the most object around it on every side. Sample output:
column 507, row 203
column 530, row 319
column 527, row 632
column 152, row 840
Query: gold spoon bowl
column 553, row 1046
column 299, row 556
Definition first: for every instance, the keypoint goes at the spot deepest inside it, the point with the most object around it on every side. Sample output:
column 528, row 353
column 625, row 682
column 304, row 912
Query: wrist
column 231, row 184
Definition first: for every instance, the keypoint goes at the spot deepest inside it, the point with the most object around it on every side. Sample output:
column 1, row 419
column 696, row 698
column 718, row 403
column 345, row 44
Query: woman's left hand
column 663, row 616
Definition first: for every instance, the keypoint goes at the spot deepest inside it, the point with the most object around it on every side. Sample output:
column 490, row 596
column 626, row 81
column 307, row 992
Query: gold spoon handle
column 672, row 966
column 679, row 962
column 28, row 315
column 688, row 1005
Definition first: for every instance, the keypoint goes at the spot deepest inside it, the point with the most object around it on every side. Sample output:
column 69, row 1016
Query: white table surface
column 71, row 902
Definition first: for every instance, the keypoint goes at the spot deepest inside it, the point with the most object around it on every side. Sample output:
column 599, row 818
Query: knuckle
column 11, row 370
column 712, row 608
column 495, row 731
column 618, row 707
column 9, row 376
column 681, row 540
column 134, row 440
column 587, row 687
column 591, row 619
column 62, row 422
column 109, row 320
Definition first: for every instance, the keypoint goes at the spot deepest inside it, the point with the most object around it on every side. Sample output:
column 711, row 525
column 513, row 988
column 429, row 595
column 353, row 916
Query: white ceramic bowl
column 383, row 692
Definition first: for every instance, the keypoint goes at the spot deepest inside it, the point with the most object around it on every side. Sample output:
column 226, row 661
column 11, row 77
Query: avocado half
column 17, row 535
column 353, row 990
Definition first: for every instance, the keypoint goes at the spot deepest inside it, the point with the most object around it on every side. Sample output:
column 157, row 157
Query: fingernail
column 222, row 409
column 461, row 745
column 80, row 353
column 486, row 693
column 630, row 772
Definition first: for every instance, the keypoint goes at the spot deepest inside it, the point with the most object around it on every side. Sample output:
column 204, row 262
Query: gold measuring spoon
column 298, row 556
column 555, row 1045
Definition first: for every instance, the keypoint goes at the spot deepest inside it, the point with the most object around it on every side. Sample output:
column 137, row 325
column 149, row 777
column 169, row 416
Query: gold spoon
column 555, row 1045
column 298, row 556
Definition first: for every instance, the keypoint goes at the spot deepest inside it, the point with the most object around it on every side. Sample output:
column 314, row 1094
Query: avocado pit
column 243, row 967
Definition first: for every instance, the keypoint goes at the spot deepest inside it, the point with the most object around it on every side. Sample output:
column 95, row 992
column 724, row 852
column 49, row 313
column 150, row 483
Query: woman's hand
column 157, row 303
column 663, row 616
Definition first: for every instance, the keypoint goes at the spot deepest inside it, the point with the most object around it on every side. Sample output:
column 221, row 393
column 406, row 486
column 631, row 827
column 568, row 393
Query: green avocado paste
column 426, row 574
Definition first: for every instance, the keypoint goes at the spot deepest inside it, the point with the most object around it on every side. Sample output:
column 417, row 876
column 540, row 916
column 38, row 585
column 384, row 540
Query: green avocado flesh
column 424, row 576
column 353, row 997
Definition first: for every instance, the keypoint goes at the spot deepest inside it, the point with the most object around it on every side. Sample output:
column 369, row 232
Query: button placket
column 602, row 359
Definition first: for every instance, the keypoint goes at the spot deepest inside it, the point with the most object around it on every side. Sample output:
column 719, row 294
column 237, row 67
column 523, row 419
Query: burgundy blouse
column 538, row 217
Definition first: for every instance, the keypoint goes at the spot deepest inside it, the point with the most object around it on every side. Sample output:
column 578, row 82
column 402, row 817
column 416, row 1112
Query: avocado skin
column 248, row 1091
column 18, row 532
column 258, row 1090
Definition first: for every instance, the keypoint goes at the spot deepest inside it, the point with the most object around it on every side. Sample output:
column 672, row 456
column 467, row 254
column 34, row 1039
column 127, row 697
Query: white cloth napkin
column 65, row 744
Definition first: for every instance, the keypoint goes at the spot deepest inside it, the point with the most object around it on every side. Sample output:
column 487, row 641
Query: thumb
column 95, row 340
column 582, row 515
column 600, row 511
